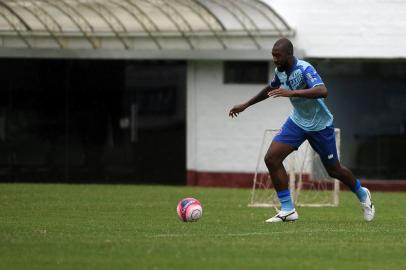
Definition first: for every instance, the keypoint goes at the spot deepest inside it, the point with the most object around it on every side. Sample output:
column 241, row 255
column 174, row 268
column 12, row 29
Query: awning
column 128, row 26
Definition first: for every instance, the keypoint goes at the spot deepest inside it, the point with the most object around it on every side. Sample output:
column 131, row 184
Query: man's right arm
column 275, row 84
column 262, row 95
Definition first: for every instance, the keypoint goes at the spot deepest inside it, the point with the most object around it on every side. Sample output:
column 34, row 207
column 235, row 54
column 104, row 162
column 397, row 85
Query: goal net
column 309, row 183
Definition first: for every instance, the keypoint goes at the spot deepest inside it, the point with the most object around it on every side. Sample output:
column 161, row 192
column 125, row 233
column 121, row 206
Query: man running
column 310, row 120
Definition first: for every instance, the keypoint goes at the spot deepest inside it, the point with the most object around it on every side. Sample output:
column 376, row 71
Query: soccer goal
column 309, row 183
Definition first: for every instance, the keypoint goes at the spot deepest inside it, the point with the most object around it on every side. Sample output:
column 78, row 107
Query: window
column 246, row 72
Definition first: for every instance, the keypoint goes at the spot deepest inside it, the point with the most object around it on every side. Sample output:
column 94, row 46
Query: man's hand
column 280, row 92
column 236, row 110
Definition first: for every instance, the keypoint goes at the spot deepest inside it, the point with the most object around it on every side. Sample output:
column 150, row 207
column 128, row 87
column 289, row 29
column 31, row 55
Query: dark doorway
column 92, row 121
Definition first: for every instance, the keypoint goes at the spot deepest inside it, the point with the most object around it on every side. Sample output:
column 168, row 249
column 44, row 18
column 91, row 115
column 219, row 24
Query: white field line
column 171, row 235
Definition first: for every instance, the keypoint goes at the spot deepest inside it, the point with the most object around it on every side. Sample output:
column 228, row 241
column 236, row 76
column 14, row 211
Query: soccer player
column 310, row 120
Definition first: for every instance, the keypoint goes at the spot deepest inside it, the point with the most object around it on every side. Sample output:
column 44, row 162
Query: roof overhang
column 139, row 28
column 137, row 54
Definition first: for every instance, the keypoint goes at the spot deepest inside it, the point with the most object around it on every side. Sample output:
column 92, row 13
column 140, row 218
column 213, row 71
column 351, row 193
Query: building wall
column 365, row 97
column 216, row 142
column 346, row 28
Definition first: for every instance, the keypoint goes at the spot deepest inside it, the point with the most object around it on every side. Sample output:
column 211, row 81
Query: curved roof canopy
column 139, row 24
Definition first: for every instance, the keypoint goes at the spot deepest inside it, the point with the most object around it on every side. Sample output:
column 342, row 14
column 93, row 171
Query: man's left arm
column 319, row 91
column 316, row 88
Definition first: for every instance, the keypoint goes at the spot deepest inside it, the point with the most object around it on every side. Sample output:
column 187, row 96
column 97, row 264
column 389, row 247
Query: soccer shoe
column 368, row 207
column 283, row 216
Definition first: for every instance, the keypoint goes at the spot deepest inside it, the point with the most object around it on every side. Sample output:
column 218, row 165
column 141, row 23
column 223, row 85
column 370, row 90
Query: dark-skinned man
column 310, row 120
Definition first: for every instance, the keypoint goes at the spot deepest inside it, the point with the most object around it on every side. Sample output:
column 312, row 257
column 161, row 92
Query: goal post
column 309, row 183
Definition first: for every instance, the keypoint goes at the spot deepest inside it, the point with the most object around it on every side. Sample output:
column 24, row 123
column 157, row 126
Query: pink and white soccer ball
column 189, row 209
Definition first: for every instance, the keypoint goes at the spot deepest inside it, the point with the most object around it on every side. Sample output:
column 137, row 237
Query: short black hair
column 285, row 44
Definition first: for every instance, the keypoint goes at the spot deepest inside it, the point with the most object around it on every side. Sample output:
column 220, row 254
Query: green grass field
column 136, row 227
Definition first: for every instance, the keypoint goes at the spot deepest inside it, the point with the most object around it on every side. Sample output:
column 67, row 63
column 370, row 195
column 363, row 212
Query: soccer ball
column 189, row 210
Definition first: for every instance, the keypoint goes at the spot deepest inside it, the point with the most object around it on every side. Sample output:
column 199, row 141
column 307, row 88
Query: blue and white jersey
column 309, row 114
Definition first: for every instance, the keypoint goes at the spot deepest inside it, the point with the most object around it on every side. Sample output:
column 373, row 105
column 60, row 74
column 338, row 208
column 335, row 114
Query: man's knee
column 272, row 161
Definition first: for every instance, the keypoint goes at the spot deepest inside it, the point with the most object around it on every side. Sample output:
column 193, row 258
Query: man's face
column 280, row 58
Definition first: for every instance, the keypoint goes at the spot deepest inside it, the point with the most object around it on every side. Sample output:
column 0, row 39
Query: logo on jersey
column 330, row 156
column 312, row 77
column 296, row 80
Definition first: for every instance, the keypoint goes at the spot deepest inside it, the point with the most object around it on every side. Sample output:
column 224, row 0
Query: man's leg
column 341, row 173
column 323, row 142
column 289, row 139
column 335, row 170
column 277, row 152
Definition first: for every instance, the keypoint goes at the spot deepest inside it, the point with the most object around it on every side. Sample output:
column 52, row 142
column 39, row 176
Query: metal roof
column 139, row 24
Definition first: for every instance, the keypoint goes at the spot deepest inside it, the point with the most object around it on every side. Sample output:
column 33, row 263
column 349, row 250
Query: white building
column 357, row 46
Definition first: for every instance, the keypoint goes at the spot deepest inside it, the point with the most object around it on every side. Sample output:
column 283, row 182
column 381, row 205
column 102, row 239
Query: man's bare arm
column 319, row 91
column 262, row 95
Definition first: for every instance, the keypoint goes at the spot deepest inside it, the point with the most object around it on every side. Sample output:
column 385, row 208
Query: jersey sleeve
column 275, row 81
column 312, row 77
